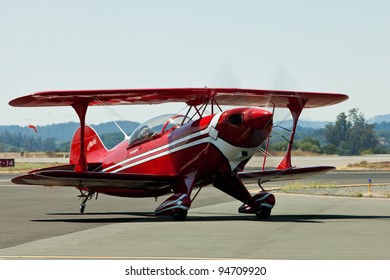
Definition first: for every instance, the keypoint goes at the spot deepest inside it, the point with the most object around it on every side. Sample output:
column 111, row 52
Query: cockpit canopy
column 156, row 126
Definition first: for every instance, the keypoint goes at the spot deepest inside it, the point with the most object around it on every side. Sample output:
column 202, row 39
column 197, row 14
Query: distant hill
column 380, row 119
column 110, row 127
column 305, row 124
column 58, row 136
column 63, row 132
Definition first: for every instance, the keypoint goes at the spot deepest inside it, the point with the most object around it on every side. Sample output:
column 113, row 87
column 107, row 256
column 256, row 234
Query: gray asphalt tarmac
column 41, row 222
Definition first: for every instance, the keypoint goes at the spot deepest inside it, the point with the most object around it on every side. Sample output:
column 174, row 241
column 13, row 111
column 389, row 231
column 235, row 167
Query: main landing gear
column 260, row 204
column 264, row 202
column 180, row 215
column 85, row 196
column 176, row 206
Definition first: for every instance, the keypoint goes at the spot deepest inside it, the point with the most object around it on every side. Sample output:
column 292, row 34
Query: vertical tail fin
column 95, row 150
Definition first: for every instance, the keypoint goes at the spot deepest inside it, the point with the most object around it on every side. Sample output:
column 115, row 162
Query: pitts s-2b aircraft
column 175, row 154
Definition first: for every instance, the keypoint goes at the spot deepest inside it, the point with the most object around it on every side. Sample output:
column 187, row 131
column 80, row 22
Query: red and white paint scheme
column 175, row 154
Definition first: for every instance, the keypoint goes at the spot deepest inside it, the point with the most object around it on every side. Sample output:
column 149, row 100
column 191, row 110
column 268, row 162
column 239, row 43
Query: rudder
column 95, row 150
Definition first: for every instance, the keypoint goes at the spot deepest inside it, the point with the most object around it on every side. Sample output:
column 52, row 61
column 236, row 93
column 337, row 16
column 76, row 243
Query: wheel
column 82, row 208
column 263, row 212
column 180, row 215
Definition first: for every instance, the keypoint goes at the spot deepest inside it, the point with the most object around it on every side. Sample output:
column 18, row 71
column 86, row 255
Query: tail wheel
column 85, row 196
column 82, row 208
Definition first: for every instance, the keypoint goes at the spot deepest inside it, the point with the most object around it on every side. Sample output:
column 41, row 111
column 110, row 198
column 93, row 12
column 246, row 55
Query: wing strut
column 81, row 110
column 267, row 143
column 295, row 110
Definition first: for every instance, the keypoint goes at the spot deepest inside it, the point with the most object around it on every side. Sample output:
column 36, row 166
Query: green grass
column 296, row 186
column 25, row 166
column 383, row 165
column 358, row 194
column 321, row 189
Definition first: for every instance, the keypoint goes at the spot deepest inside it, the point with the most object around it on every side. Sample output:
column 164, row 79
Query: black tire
column 263, row 213
column 180, row 215
column 82, row 208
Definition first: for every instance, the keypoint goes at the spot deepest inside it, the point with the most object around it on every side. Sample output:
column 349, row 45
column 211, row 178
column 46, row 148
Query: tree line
column 350, row 134
column 18, row 142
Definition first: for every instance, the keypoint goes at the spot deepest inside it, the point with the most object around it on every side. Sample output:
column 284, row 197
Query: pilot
column 145, row 132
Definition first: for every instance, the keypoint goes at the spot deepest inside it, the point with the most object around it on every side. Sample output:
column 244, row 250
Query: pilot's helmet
column 145, row 132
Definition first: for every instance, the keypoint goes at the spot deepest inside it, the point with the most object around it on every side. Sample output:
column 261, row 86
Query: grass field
column 378, row 191
column 365, row 165
column 24, row 167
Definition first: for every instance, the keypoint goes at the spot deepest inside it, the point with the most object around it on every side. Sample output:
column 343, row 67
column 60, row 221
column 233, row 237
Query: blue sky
column 330, row 46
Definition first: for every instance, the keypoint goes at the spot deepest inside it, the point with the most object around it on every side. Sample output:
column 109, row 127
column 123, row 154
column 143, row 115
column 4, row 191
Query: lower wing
column 66, row 177
column 69, row 178
column 282, row 175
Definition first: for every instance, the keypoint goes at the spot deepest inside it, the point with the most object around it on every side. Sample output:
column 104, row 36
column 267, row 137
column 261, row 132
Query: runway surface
column 40, row 222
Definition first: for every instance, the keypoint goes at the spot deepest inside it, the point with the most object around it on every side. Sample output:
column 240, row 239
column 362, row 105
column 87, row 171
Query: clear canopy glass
column 155, row 126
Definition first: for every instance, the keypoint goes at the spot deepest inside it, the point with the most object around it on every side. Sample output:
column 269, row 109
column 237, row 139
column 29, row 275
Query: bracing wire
column 279, row 125
column 105, row 106
column 269, row 156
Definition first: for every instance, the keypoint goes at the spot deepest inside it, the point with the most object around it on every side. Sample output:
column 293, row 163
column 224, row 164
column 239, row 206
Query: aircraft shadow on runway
column 149, row 217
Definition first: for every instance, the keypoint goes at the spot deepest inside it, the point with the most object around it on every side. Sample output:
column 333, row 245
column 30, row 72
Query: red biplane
column 175, row 154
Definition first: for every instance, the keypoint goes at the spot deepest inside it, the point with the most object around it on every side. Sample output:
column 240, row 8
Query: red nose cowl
column 245, row 127
column 257, row 118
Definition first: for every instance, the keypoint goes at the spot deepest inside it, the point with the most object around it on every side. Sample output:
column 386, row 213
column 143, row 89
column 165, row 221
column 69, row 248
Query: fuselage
column 211, row 145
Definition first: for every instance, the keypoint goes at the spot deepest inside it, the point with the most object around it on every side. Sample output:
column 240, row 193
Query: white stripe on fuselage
column 232, row 153
column 212, row 123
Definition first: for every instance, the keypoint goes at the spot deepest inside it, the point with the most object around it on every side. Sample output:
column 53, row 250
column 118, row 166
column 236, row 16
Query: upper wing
column 282, row 175
column 192, row 96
